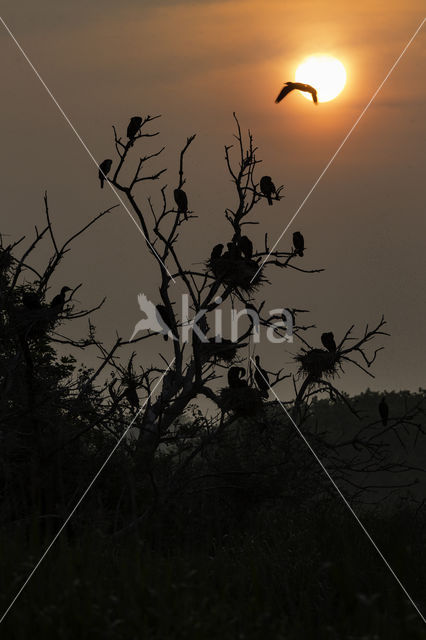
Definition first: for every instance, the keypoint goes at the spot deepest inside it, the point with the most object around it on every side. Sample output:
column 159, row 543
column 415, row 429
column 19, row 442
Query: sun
column 325, row 73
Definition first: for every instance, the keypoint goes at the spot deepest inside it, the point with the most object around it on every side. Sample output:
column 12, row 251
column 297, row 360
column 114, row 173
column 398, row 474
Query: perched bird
column 154, row 320
column 328, row 341
column 131, row 396
column 233, row 252
column 261, row 378
column 246, row 247
column 216, row 252
column 241, row 381
column 384, row 411
column 299, row 243
column 133, row 128
column 290, row 86
column 31, row 301
column 58, row 301
column 104, row 169
column 267, row 187
column 234, row 377
column 166, row 317
column 181, row 200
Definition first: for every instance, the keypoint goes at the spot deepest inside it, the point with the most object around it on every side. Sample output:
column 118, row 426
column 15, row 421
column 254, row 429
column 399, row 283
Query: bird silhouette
column 216, row 252
column 59, row 300
column 154, row 319
column 104, row 169
column 300, row 86
column 328, row 341
column 299, row 243
column 181, row 200
column 233, row 252
column 133, row 128
column 31, row 301
column 267, row 187
column 235, row 377
column 261, row 378
column 384, row 411
column 166, row 317
column 246, row 247
column 131, row 396
column 241, row 381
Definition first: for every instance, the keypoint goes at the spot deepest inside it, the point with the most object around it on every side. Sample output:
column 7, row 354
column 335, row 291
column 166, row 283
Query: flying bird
column 216, row 252
column 133, row 128
column 299, row 243
column 300, row 86
column 104, row 169
column 181, row 200
column 328, row 341
column 246, row 247
column 267, row 187
column 261, row 378
column 384, row 411
column 58, row 301
column 154, row 319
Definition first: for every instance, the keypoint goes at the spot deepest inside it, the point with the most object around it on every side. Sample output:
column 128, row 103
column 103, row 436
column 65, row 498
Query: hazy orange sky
column 196, row 63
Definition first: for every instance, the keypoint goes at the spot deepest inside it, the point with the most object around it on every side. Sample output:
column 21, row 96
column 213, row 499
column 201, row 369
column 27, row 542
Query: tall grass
column 285, row 574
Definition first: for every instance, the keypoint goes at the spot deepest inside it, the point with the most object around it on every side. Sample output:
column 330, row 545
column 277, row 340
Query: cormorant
column 384, row 411
column 31, row 301
column 104, row 169
column 59, row 300
column 261, row 378
column 181, row 200
column 299, row 243
column 300, row 86
column 241, row 381
column 133, row 128
column 267, row 187
column 233, row 252
column 235, row 377
column 131, row 396
column 166, row 318
column 328, row 341
column 246, row 247
column 216, row 252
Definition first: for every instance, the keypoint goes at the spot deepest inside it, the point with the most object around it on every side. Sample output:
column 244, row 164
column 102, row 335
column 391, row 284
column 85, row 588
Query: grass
column 309, row 573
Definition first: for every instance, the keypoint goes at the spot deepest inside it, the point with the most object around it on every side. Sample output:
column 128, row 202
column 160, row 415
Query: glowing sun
column 325, row 73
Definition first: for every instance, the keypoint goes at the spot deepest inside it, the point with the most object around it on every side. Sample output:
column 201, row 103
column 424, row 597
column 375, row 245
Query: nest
column 318, row 363
column 225, row 350
column 238, row 273
column 243, row 401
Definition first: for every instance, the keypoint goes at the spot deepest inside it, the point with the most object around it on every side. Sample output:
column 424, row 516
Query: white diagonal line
column 84, row 145
column 83, row 495
column 301, row 434
column 333, row 157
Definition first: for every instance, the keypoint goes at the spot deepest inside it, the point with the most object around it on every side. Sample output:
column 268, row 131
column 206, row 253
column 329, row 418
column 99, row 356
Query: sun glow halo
column 325, row 73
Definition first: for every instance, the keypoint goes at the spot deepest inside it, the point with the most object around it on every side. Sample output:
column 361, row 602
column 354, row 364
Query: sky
column 195, row 63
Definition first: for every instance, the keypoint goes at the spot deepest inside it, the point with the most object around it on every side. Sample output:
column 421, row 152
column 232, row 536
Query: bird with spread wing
column 300, row 86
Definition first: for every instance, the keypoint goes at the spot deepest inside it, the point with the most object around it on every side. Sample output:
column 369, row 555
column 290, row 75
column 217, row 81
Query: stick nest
column 318, row 363
column 238, row 273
